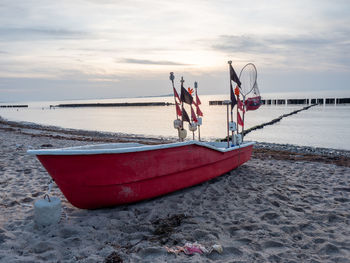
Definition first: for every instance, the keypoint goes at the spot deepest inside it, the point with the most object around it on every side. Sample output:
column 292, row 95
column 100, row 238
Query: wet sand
column 278, row 207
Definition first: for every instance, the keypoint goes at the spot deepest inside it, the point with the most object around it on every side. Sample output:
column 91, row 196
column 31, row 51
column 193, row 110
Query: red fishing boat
column 111, row 174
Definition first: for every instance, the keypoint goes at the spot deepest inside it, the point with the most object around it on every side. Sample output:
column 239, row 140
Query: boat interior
column 133, row 147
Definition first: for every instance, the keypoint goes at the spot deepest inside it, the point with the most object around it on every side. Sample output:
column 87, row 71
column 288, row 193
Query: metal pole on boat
column 199, row 127
column 237, row 115
column 232, row 134
column 172, row 77
column 182, row 105
column 243, row 116
column 227, row 102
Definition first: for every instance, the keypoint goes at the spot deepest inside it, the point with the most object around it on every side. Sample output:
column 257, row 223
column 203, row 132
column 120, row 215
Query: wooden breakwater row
column 276, row 120
column 260, row 126
column 295, row 101
column 122, row 104
column 13, row 106
column 306, row 101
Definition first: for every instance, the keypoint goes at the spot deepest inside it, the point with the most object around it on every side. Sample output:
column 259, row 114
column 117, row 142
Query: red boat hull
column 100, row 180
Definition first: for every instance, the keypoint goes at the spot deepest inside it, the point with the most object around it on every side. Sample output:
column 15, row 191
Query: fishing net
column 249, row 87
column 255, row 91
column 248, row 77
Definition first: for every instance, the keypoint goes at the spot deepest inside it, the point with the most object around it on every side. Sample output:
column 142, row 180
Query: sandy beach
column 281, row 206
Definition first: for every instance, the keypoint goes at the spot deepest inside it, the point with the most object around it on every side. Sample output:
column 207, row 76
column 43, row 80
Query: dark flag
column 233, row 97
column 185, row 116
column 234, row 76
column 186, row 96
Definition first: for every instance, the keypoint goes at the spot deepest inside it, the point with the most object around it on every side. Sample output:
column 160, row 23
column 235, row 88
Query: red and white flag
column 199, row 112
column 176, row 95
column 239, row 119
column 178, row 110
column 193, row 115
column 197, row 100
column 240, row 105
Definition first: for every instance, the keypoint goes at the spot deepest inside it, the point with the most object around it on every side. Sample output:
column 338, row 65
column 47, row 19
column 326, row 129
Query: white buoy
column 177, row 124
column 47, row 211
column 238, row 138
column 232, row 126
column 192, row 126
column 182, row 133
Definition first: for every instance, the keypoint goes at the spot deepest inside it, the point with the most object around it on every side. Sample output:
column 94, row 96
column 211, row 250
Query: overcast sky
column 104, row 49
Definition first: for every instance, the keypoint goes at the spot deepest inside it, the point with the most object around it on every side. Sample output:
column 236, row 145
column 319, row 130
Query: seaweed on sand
column 165, row 227
column 113, row 258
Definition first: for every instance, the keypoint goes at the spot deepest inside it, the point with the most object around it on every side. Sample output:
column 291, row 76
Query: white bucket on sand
column 47, row 211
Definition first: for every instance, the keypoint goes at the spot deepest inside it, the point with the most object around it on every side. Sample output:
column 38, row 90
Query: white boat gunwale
column 118, row 148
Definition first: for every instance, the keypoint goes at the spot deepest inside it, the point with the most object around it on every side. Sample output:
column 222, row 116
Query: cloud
column 269, row 44
column 152, row 62
column 112, row 43
column 315, row 50
column 20, row 33
column 243, row 43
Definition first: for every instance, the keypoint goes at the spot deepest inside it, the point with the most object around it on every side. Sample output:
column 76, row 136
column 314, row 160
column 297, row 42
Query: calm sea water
column 320, row 126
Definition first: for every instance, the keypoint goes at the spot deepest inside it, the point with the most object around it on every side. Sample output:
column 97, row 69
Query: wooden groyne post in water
column 13, row 106
column 276, row 120
column 260, row 126
column 307, row 101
